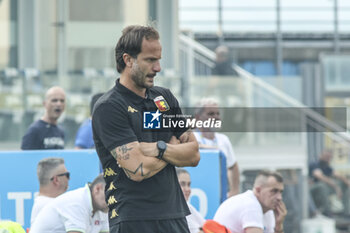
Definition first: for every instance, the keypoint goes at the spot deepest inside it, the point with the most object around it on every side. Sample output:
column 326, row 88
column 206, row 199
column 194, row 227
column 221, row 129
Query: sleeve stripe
column 79, row 230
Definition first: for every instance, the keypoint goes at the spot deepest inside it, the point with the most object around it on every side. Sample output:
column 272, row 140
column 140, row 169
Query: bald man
column 223, row 62
column 45, row 134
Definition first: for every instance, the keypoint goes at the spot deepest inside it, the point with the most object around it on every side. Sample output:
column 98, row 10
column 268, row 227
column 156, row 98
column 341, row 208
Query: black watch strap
column 160, row 155
column 161, row 145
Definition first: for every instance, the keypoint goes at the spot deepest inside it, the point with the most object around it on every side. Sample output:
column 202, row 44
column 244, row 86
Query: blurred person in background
column 207, row 138
column 326, row 182
column 53, row 180
column 260, row 210
column 223, row 62
column 195, row 220
column 80, row 210
column 84, row 138
column 45, row 133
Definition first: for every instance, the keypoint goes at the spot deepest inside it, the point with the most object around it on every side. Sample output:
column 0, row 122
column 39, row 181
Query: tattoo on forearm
column 122, row 153
column 139, row 169
column 124, row 149
column 114, row 154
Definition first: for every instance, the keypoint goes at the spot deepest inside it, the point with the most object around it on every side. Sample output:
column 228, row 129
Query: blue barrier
column 208, row 182
column 19, row 182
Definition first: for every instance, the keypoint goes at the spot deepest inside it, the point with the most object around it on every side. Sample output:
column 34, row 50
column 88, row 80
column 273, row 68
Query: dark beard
column 138, row 80
column 138, row 77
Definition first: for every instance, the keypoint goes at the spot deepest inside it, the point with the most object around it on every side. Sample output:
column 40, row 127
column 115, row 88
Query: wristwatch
column 161, row 145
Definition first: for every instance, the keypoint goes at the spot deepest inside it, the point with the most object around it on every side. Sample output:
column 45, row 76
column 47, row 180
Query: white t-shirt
column 39, row 202
column 242, row 211
column 72, row 211
column 195, row 220
column 222, row 142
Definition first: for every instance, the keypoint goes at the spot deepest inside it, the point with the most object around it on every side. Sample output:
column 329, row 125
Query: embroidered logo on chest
column 161, row 103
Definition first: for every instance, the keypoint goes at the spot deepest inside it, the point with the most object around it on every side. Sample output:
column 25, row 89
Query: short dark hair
column 94, row 100
column 99, row 179
column 263, row 175
column 267, row 173
column 131, row 42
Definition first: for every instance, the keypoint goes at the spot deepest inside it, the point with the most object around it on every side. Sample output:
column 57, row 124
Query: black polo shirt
column 117, row 120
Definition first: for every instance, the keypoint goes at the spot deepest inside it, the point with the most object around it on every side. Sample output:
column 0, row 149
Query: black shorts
column 178, row 225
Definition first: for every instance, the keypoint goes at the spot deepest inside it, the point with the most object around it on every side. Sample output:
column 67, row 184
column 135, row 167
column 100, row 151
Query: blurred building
column 294, row 55
column 34, row 32
column 300, row 47
column 291, row 54
column 270, row 37
column 71, row 44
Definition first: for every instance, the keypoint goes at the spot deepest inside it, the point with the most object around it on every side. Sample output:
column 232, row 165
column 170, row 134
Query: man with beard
column 258, row 210
column 143, row 191
column 44, row 133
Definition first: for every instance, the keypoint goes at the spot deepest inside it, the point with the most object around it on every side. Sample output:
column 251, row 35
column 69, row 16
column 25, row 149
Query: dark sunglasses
column 67, row 174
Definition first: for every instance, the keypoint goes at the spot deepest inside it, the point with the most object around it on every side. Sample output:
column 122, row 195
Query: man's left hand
column 174, row 140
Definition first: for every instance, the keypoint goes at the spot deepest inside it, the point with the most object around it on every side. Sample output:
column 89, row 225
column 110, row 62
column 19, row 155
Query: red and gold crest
column 161, row 103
